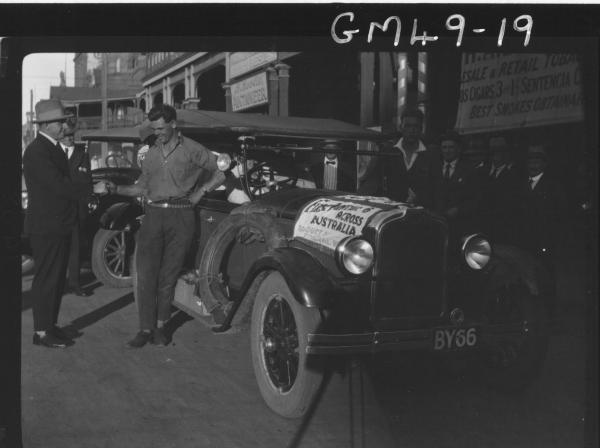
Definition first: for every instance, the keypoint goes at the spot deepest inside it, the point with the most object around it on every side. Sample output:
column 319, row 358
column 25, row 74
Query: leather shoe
column 64, row 333
column 140, row 339
column 51, row 341
column 159, row 337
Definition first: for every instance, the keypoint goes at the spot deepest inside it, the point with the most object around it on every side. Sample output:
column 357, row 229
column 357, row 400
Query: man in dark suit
column 80, row 171
column 542, row 214
column 409, row 177
column 455, row 194
column 333, row 170
column 499, row 207
column 49, row 220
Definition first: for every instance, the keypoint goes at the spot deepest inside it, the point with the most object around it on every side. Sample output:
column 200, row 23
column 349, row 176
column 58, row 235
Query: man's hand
column 100, row 188
column 197, row 195
column 111, row 186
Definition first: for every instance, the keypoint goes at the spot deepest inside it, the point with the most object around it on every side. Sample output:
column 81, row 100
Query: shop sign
column 244, row 62
column 250, row 92
column 507, row 91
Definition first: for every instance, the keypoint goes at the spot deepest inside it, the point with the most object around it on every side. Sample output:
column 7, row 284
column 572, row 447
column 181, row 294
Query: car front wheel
column 111, row 255
column 279, row 335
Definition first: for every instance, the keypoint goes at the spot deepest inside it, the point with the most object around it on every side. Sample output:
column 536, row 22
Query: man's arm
column 217, row 178
column 125, row 190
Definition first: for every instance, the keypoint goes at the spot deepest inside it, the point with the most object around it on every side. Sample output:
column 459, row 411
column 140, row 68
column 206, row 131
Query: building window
column 118, row 65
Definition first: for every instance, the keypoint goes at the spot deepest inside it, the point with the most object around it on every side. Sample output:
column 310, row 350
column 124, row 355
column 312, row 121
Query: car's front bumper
column 405, row 340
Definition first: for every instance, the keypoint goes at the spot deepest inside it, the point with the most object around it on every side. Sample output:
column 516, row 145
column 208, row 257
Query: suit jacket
column 52, row 195
column 458, row 191
column 542, row 214
column 389, row 177
column 500, row 205
column 345, row 179
column 80, row 171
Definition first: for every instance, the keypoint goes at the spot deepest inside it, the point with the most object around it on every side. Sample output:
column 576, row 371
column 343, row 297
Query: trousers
column 50, row 255
column 164, row 239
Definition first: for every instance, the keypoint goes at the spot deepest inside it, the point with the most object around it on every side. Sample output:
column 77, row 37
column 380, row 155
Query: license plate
column 454, row 338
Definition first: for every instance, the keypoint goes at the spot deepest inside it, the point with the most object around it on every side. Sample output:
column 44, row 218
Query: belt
column 171, row 203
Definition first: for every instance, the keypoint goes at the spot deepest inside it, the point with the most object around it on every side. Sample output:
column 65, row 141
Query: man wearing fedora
column 80, row 171
column 50, row 218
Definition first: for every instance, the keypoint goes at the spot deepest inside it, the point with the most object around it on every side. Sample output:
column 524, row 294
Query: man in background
column 455, row 195
column 80, row 171
column 410, row 176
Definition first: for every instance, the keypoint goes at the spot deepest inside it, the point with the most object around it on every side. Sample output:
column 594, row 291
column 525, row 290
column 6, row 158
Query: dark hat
column 47, row 111
column 537, row 152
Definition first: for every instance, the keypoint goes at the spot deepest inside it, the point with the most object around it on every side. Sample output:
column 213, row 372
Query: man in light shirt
column 409, row 177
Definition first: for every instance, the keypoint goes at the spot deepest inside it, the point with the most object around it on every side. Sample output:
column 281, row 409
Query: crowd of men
column 476, row 190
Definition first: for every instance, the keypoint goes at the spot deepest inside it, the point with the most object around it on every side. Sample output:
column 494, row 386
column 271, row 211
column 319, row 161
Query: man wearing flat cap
column 80, row 171
column 50, row 218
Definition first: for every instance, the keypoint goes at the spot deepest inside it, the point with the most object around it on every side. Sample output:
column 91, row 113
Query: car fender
column 121, row 215
column 510, row 265
column 307, row 278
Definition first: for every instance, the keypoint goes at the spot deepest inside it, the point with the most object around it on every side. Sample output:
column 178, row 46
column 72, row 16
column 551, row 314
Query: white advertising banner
column 250, row 92
column 326, row 221
column 244, row 62
column 507, row 91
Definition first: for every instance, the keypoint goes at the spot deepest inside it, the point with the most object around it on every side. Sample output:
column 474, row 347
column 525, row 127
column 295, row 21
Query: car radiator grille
column 409, row 275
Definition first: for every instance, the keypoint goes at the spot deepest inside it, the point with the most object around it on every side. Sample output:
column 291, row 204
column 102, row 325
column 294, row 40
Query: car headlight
column 223, row 161
column 477, row 251
column 355, row 255
column 24, row 200
column 93, row 204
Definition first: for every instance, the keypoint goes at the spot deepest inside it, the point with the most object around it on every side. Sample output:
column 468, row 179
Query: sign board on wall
column 244, row 62
column 250, row 92
column 507, row 91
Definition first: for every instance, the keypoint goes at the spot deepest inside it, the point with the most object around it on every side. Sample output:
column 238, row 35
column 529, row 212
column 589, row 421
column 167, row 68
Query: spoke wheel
column 279, row 329
column 279, row 340
column 111, row 257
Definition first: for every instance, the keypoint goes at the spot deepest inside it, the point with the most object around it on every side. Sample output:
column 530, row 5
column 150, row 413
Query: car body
column 112, row 220
column 318, row 273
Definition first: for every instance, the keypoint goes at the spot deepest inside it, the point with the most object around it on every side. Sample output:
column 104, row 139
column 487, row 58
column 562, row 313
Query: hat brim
column 63, row 117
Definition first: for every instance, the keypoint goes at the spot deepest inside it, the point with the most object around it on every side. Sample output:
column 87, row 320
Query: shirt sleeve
column 142, row 181
column 200, row 155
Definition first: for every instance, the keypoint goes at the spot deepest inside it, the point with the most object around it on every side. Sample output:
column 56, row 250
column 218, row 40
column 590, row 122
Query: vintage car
column 313, row 273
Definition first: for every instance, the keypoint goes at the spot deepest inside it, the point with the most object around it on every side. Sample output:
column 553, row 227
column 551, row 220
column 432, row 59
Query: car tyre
column 513, row 364
column 279, row 329
column 111, row 257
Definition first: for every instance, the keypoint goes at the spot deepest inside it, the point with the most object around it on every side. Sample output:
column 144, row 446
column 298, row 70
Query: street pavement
column 200, row 391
